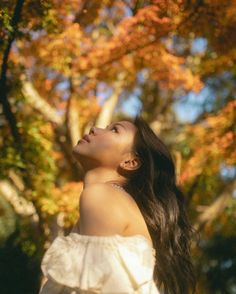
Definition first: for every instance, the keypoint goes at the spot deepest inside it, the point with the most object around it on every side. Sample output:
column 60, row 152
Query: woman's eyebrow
column 120, row 125
column 117, row 124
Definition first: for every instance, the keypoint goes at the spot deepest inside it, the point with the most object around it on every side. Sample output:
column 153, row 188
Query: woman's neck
column 101, row 176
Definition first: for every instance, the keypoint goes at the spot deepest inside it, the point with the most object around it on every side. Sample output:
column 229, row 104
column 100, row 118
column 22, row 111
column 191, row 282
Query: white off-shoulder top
column 99, row 264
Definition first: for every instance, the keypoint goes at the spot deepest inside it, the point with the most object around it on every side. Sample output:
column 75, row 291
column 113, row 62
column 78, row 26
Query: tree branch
column 3, row 79
column 40, row 104
column 9, row 115
column 211, row 212
column 108, row 108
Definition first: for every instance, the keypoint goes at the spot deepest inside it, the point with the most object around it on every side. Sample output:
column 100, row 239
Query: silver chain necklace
column 118, row 186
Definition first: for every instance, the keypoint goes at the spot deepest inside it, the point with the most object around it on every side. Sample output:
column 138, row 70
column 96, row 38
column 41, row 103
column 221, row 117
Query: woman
column 133, row 234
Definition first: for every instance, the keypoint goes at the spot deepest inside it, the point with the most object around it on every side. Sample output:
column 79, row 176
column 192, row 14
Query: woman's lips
column 82, row 140
column 85, row 139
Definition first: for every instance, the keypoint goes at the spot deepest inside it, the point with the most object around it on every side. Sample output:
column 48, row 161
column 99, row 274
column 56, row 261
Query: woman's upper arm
column 101, row 212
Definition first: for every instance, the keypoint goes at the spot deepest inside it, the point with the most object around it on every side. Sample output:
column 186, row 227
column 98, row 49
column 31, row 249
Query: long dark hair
column 162, row 203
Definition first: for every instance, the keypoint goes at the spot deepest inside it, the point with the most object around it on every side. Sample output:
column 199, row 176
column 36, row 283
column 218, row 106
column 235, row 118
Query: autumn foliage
column 66, row 65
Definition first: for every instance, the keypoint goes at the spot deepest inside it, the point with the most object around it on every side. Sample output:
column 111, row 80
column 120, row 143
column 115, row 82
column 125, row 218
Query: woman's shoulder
column 102, row 211
column 104, row 193
column 115, row 206
column 111, row 195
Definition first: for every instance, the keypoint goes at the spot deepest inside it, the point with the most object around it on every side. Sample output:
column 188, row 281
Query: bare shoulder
column 102, row 192
column 101, row 211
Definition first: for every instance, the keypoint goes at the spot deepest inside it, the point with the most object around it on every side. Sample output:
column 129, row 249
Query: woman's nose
column 95, row 130
column 92, row 130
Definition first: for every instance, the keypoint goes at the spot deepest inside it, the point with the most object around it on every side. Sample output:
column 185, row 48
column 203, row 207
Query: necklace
column 118, row 186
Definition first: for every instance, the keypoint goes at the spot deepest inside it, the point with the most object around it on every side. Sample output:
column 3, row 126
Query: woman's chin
column 75, row 149
column 78, row 150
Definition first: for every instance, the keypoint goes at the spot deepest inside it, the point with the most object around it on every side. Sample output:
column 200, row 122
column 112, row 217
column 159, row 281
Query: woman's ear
column 131, row 163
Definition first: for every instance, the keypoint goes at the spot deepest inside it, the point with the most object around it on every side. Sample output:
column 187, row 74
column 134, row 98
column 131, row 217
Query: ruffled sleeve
column 98, row 264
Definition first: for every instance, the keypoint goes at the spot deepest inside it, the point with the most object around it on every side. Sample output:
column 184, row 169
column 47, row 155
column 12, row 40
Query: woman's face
column 107, row 147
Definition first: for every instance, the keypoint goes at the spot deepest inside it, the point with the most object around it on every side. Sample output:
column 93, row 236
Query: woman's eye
column 115, row 128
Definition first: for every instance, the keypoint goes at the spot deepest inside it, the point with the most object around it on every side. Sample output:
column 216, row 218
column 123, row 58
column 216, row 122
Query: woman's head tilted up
column 107, row 154
column 130, row 153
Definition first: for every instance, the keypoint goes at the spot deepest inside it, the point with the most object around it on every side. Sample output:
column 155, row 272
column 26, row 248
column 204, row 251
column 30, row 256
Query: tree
column 59, row 58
